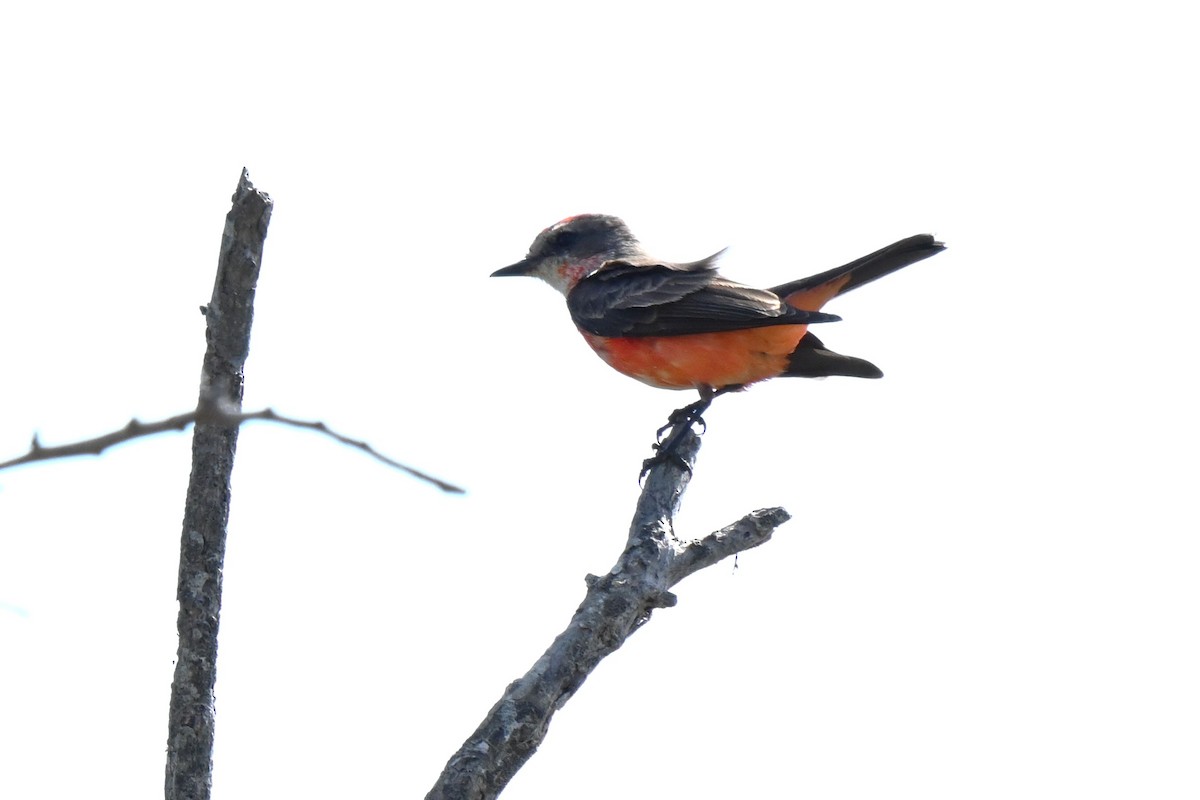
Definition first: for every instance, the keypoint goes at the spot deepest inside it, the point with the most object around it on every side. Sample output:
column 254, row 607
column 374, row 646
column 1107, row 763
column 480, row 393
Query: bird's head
column 570, row 250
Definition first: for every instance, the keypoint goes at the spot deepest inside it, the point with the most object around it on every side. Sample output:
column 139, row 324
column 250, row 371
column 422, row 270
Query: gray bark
column 616, row 605
column 206, row 511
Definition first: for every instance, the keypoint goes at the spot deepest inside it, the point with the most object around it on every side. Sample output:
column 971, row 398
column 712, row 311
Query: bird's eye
column 565, row 240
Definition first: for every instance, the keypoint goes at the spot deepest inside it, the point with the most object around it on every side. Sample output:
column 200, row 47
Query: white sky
column 989, row 587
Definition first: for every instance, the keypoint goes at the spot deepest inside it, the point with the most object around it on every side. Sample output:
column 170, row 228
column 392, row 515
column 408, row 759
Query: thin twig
column 210, row 414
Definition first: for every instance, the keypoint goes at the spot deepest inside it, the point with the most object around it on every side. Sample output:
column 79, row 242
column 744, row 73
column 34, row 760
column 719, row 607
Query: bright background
column 990, row 585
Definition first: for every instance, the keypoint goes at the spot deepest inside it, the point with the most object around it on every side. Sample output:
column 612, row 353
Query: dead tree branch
column 212, row 414
column 616, row 605
column 206, row 511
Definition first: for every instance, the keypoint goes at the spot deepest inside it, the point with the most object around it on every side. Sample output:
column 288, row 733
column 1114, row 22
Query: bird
column 682, row 325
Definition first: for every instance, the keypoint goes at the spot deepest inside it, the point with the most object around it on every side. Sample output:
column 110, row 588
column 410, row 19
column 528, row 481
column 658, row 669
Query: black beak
column 520, row 268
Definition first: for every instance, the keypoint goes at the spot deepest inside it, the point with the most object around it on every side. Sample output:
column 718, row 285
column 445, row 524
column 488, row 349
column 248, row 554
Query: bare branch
column 750, row 531
column 229, row 315
column 209, row 413
column 615, row 606
column 97, row 445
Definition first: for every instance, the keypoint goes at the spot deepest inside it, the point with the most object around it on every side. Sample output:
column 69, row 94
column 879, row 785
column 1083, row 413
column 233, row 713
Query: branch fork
column 617, row 604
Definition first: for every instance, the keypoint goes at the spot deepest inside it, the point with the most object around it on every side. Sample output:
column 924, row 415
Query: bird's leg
column 680, row 422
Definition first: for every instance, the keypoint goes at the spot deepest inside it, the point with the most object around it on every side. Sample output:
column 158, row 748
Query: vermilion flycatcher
column 683, row 326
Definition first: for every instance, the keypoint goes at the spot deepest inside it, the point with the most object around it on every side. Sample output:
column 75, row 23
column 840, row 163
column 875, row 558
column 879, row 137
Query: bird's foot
column 686, row 417
column 679, row 423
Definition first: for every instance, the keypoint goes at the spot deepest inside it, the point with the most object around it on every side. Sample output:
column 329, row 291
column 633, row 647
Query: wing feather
column 624, row 298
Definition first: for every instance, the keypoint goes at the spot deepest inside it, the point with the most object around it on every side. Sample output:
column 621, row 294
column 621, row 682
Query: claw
column 678, row 423
column 687, row 416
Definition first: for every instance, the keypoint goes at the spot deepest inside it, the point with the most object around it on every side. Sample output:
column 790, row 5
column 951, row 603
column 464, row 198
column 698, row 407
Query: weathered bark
column 229, row 316
column 615, row 606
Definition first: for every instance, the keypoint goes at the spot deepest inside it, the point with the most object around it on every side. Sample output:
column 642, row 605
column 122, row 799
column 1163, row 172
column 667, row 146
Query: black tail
column 868, row 268
column 810, row 359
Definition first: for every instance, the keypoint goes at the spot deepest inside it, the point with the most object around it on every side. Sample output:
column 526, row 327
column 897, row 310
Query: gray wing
column 623, row 298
